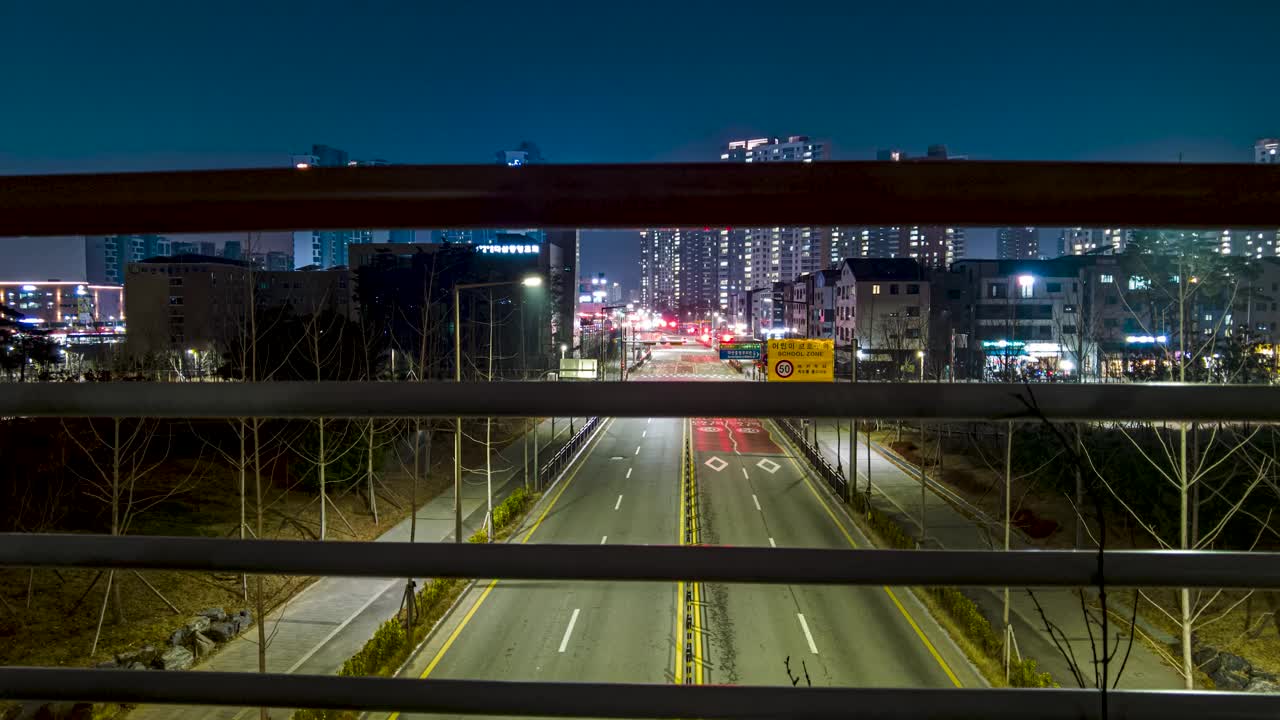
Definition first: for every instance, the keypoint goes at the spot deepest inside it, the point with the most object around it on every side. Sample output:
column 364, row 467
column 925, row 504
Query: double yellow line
column 689, row 654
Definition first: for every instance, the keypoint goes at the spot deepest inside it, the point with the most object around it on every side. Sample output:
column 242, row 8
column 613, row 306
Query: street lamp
column 920, row 361
column 528, row 281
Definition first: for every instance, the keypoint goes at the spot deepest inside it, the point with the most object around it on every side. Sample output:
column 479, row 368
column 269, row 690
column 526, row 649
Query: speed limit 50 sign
column 802, row 360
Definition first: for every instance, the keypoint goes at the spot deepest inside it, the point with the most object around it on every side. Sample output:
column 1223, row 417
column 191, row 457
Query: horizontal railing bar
column 888, row 401
column 830, row 193
column 1048, row 568
column 474, row 697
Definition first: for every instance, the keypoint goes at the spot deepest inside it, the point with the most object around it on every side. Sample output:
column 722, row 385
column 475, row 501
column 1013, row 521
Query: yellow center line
column 898, row 604
column 435, row 660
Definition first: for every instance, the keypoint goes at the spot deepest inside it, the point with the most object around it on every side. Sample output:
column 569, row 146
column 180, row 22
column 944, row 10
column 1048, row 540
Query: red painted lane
column 746, row 435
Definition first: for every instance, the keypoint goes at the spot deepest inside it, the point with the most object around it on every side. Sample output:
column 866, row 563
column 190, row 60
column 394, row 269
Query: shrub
column 391, row 644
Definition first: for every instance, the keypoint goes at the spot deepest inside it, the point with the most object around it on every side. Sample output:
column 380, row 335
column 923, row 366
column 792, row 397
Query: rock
column 179, row 637
column 1234, row 663
column 243, row 620
column 176, row 658
column 107, row 665
column 1226, row 680
column 204, row 646
column 1207, row 660
column 1261, row 675
column 137, row 666
column 221, row 631
column 1263, row 686
column 215, row 615
column 197, row 624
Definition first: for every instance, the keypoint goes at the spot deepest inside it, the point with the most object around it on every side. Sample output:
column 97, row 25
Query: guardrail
column 834, row 478
column 562, row 457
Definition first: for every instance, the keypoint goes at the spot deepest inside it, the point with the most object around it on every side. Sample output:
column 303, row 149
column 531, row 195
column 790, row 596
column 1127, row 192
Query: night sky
column 154, row 85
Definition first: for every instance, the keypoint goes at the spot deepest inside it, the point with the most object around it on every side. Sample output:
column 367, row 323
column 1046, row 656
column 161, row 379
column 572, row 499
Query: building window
column 1106, row 278
column 1053, row 287
column 1069, row 309
column 1068, row 329
column 875, row 289
column 893, row 289
column 913, row 333
column 913, row 311
column 997, row 290
column 1046, row 331
column 913, row 288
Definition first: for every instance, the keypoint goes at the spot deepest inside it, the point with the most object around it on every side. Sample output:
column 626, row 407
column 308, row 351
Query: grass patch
column 392, row 645
column 959, row 616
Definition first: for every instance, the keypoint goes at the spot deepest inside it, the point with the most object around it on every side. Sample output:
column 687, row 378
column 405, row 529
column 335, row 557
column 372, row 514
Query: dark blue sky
column 148, row 85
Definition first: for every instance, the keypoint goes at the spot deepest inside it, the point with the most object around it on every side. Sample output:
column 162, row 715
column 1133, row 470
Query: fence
column 977, row 193
column 566, row 453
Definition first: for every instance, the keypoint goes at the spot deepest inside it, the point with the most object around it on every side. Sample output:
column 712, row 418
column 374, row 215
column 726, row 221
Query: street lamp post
column 532, row 281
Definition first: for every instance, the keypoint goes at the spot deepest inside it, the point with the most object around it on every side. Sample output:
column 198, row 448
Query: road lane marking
column 756, row 500
column 772, row 544
column 644, row 434
column 637, row 449
column 629, row 472
column 603, row 539
column 937, row 656
column 744, row 474
column 564, row 642
column 803, row 625
column 568, row 480
column 618, row 504
column 646, row 422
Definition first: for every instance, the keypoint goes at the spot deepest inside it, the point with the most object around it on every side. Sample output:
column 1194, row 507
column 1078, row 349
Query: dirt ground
column 48, row 618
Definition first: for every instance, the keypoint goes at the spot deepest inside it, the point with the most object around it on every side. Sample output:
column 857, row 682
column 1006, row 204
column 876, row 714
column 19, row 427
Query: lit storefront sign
column 1146, row 339
column 522, row 249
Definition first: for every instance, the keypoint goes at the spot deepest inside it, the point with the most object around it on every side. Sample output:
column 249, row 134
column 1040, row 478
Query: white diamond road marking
column 716, row 464
column 768, row 466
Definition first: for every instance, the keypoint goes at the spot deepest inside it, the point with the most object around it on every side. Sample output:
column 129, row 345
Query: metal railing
column 832, row 477
column 567, row 452
column 1046, row 194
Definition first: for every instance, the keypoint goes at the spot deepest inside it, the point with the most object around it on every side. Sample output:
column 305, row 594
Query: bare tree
column 123, row 458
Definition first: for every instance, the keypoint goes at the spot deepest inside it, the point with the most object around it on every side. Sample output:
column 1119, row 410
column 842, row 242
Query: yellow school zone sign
column 802, row 361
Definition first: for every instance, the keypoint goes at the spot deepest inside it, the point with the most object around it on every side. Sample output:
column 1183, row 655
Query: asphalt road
column 754, row 494
column 626, row 489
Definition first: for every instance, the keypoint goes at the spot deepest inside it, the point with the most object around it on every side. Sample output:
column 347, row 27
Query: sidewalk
column 897, row 492
column 326, row 623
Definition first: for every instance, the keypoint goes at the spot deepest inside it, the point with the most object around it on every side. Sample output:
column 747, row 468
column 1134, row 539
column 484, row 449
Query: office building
column 1017, row 243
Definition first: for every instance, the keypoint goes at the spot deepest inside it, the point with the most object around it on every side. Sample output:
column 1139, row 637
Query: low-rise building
column 882, row 307
column 198, row 302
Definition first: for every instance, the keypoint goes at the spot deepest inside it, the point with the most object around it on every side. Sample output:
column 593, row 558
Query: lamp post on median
column 530, row 281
